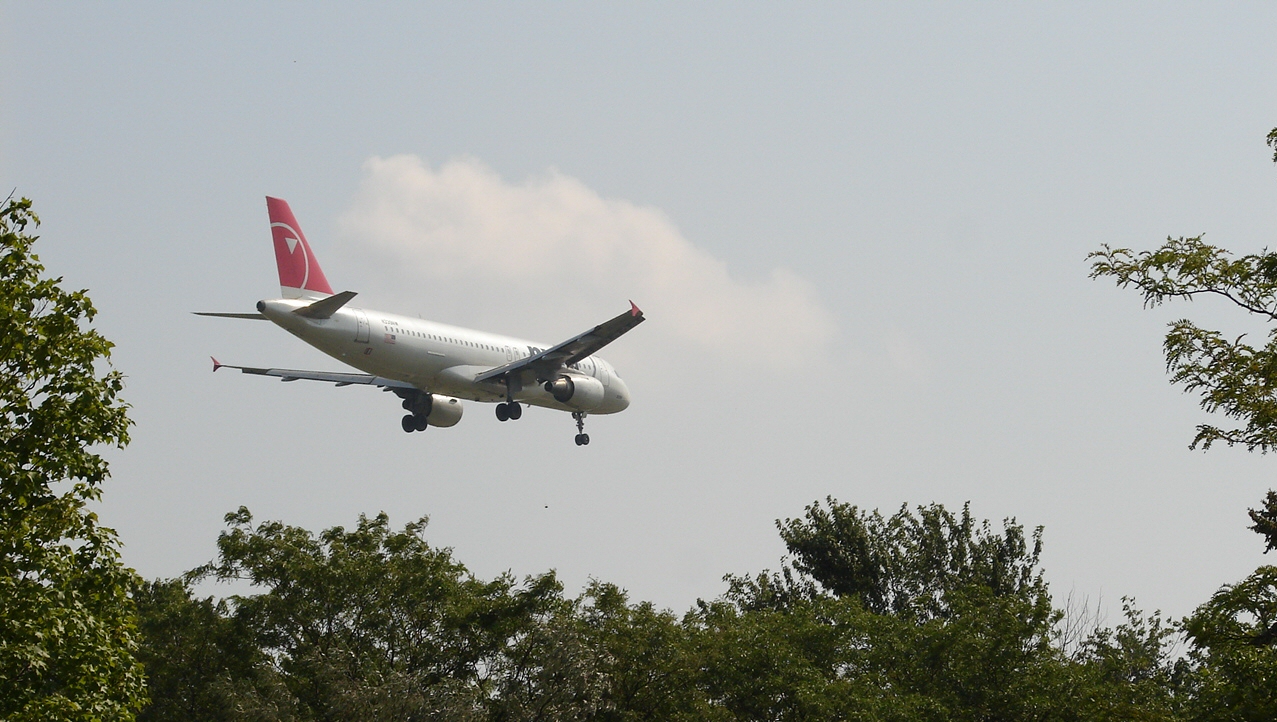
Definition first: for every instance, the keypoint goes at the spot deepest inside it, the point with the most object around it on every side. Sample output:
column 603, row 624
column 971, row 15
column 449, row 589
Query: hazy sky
column 858, row 231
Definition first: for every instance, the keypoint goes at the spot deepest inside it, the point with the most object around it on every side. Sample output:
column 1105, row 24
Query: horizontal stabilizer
column 326, row 307
column 250, row 316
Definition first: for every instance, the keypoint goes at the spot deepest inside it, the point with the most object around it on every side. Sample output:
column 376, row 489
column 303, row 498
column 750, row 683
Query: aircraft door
column 361, row 326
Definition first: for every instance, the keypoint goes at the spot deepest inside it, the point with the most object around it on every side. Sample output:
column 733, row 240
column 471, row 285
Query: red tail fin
column 299, row 272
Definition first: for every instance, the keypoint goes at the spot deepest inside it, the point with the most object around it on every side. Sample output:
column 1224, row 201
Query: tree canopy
column 1231, row 669
column 1234, row 378
column 373, row 622
column 67, row 634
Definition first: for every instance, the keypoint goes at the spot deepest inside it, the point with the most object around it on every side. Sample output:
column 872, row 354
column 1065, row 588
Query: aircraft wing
column 548, row 362
column 331, row 377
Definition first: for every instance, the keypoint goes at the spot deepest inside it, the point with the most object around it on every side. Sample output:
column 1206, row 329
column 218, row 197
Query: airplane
column 432, row 366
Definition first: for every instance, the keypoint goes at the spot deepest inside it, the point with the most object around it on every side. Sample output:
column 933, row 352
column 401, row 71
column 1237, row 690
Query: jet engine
column 445, row 411
column 582, row 392
column 442, row 411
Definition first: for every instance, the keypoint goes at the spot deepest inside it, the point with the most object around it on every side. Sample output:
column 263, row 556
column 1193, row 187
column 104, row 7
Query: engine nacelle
column 445, row 411
column 442, row 411
column 581, row 392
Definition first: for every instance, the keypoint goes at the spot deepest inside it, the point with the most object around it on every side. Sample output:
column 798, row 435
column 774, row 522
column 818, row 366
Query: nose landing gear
column 582, row 438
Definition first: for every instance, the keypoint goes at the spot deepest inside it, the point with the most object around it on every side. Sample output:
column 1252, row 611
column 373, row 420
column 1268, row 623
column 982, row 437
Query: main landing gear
column 412, row 422
column 415, row 419
column 510, row 410
column 582, row 438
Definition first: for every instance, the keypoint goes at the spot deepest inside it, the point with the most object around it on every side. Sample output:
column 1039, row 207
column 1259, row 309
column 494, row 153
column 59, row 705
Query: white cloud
column 550, row 254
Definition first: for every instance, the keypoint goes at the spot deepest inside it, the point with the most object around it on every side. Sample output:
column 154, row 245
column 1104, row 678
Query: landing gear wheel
column 409, row 423
column 514, row 410
column 582, row 438
column 503, row 412
column 420, row 424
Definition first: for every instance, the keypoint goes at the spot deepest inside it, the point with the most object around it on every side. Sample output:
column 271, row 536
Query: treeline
column 923, row 615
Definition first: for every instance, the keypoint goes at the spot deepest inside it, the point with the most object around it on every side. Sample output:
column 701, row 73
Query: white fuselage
column 434, row 357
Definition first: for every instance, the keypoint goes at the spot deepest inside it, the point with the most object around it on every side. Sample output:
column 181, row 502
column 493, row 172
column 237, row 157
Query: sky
column 858, row 232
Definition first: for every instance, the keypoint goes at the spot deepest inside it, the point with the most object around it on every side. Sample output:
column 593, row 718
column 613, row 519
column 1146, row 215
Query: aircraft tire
column 419, row 423
column 409, row 423
column 503, row 412
column 515, row 410
column 585, row 439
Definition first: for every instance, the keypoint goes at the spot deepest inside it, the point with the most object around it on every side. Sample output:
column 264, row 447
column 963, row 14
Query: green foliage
column 923, row 615
column 1235, row 649
column 376, row 623
column 202, row 663
column 782, row 664
column 1130, row 671
column 913, row 563
column 1233, row 377
column 372, row 622
column 66, row 622
column 1265, row 521
column 601, row 658
column 1231, row 670
column 1239, row 614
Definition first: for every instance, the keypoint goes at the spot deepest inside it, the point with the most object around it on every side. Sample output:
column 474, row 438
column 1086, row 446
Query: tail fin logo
column 299, row 273
column 292, row 240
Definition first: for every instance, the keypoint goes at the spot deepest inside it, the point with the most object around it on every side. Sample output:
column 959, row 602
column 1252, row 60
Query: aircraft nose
column 620, row 400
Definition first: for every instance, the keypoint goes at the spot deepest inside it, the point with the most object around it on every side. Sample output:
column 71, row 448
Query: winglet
column 216, row 364
column 634, row 310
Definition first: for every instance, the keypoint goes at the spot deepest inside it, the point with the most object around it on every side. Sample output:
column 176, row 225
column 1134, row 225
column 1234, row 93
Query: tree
column 372, row 622
column 1235, row 649
column 202, row 664
column 601, row 658
column 375, row 623
column 1130, row 671
column 926, row 614
column 1234, row 635
column 67, row 632
column 1233, row 377
column 912, row 564
column 1266, row 521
